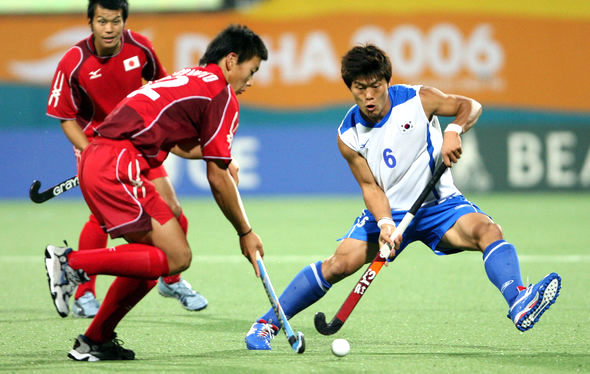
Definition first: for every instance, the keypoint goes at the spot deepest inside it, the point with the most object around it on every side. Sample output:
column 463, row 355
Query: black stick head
column 34, row 192
column 298, row 343
column 326, row 328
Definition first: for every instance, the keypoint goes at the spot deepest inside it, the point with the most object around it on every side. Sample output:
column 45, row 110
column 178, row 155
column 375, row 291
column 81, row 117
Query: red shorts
column 157, row 172
column 151, row 174
column 117, row 190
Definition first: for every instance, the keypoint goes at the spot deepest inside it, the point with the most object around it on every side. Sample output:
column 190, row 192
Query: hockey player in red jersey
column 193, row 113
column 91, row 78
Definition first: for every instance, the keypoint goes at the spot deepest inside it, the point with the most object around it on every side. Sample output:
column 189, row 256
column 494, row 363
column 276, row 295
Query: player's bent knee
column 186, row 260
column 494, row 230
column 179, row 261
column 335, row 270
column 488, row 233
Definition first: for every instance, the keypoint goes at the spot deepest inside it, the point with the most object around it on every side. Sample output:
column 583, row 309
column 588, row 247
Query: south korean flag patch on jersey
column 407, row 126
column 131, row 63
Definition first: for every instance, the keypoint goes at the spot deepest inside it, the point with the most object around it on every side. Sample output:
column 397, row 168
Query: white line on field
column 220, row 259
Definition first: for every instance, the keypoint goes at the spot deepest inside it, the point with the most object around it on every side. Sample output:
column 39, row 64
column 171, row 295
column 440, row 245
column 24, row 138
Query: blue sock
column 503, row 269
column 306, row 288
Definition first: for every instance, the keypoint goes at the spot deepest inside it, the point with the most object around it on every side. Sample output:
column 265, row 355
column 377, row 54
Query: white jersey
column 401, row 150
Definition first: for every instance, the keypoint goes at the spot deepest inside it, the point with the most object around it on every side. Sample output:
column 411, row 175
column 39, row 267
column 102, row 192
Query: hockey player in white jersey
column 392, row 140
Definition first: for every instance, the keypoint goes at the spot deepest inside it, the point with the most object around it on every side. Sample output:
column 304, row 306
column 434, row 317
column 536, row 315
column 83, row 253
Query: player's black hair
column 108, row 4
column 365, row 61
column 238, row 39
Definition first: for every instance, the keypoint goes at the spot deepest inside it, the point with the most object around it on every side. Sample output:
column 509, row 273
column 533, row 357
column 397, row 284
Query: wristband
column 455, row 128
column 385, row 221
column 245, row 233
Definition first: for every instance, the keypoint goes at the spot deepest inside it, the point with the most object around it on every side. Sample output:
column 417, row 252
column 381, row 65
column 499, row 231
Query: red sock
column 123, row 295
column 171, row 279
column 91, row 236
column 127, row 260
column 183, row 222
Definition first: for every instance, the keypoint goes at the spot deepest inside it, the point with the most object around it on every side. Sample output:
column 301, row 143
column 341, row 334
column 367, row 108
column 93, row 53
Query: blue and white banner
column 302, row 160
column 286, row 160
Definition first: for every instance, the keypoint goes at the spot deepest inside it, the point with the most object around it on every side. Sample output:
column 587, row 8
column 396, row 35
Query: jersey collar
column 366, row 123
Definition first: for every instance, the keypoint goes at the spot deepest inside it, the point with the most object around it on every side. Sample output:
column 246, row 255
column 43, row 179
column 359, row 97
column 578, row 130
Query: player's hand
column 250, row 244
column 386, row 239
column 451, row 148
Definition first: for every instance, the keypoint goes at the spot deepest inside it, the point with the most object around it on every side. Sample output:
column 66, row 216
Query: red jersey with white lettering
column 192, row 104
column 87, row 87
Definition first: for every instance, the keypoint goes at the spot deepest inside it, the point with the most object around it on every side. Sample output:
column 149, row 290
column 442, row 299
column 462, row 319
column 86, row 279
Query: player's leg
column 526, row 304
column 128, row 289
column 126, row 204
column 91, row 236
column 85, row 302
column 150, row 254
column 66, row 268
column 174, row 285
column 476, row 231
column 99, row 342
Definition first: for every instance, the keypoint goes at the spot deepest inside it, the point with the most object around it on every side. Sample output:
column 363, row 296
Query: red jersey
column 87, row 87
column 192, row 104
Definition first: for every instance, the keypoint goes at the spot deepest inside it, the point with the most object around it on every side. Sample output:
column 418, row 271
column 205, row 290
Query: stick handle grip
column 409, row 216
column 399, row 230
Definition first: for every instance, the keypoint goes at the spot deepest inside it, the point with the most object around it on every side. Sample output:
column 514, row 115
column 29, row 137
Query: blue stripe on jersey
column 398, row 94
column 431, row 162
column 349, row 120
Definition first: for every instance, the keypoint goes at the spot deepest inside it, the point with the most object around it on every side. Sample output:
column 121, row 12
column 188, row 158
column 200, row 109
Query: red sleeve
column 222, row 123
column 153, row 70
column 60, row 103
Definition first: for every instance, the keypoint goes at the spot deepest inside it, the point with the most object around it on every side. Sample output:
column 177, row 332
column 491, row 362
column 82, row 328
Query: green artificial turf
column 423, row 313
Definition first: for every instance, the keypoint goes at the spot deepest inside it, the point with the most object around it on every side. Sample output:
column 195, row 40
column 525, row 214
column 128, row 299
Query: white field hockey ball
column 340, row 347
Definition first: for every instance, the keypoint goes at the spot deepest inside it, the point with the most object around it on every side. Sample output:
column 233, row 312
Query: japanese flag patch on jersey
column 131, row 63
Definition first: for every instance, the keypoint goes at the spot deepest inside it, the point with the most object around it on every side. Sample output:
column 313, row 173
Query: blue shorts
column 429, row 225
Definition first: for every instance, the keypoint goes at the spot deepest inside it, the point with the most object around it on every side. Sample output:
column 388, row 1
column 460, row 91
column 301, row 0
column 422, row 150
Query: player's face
column 107, row 28
column 372, row 97
column 241, row 75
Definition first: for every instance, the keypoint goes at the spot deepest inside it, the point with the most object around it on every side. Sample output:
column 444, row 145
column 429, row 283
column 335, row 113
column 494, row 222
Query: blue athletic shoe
column 532, row 302
column 183, row 292
column 259, row 336
column 86, row 306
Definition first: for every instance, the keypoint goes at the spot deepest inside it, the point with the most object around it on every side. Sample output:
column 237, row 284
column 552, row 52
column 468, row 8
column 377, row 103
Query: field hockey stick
column 58, row 189
column 297, row 342
column 369, row 275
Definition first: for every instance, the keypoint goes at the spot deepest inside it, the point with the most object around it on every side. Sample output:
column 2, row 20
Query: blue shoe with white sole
column 260, row 335
column 532, row 302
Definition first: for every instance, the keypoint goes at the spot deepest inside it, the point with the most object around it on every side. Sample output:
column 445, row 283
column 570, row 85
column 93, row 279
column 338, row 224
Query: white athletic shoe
column 183, row 291
column 61, row 277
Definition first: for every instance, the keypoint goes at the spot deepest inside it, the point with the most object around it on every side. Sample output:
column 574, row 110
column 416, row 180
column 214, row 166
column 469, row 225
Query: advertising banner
column 514, row 59
column 494, row 159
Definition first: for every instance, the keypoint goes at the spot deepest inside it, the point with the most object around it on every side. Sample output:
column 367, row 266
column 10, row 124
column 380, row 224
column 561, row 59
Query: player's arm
column 74, row 133
column 60, row 103
column 192, row 150
column 373, row 195
column 228, row 198
column 465, row 110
